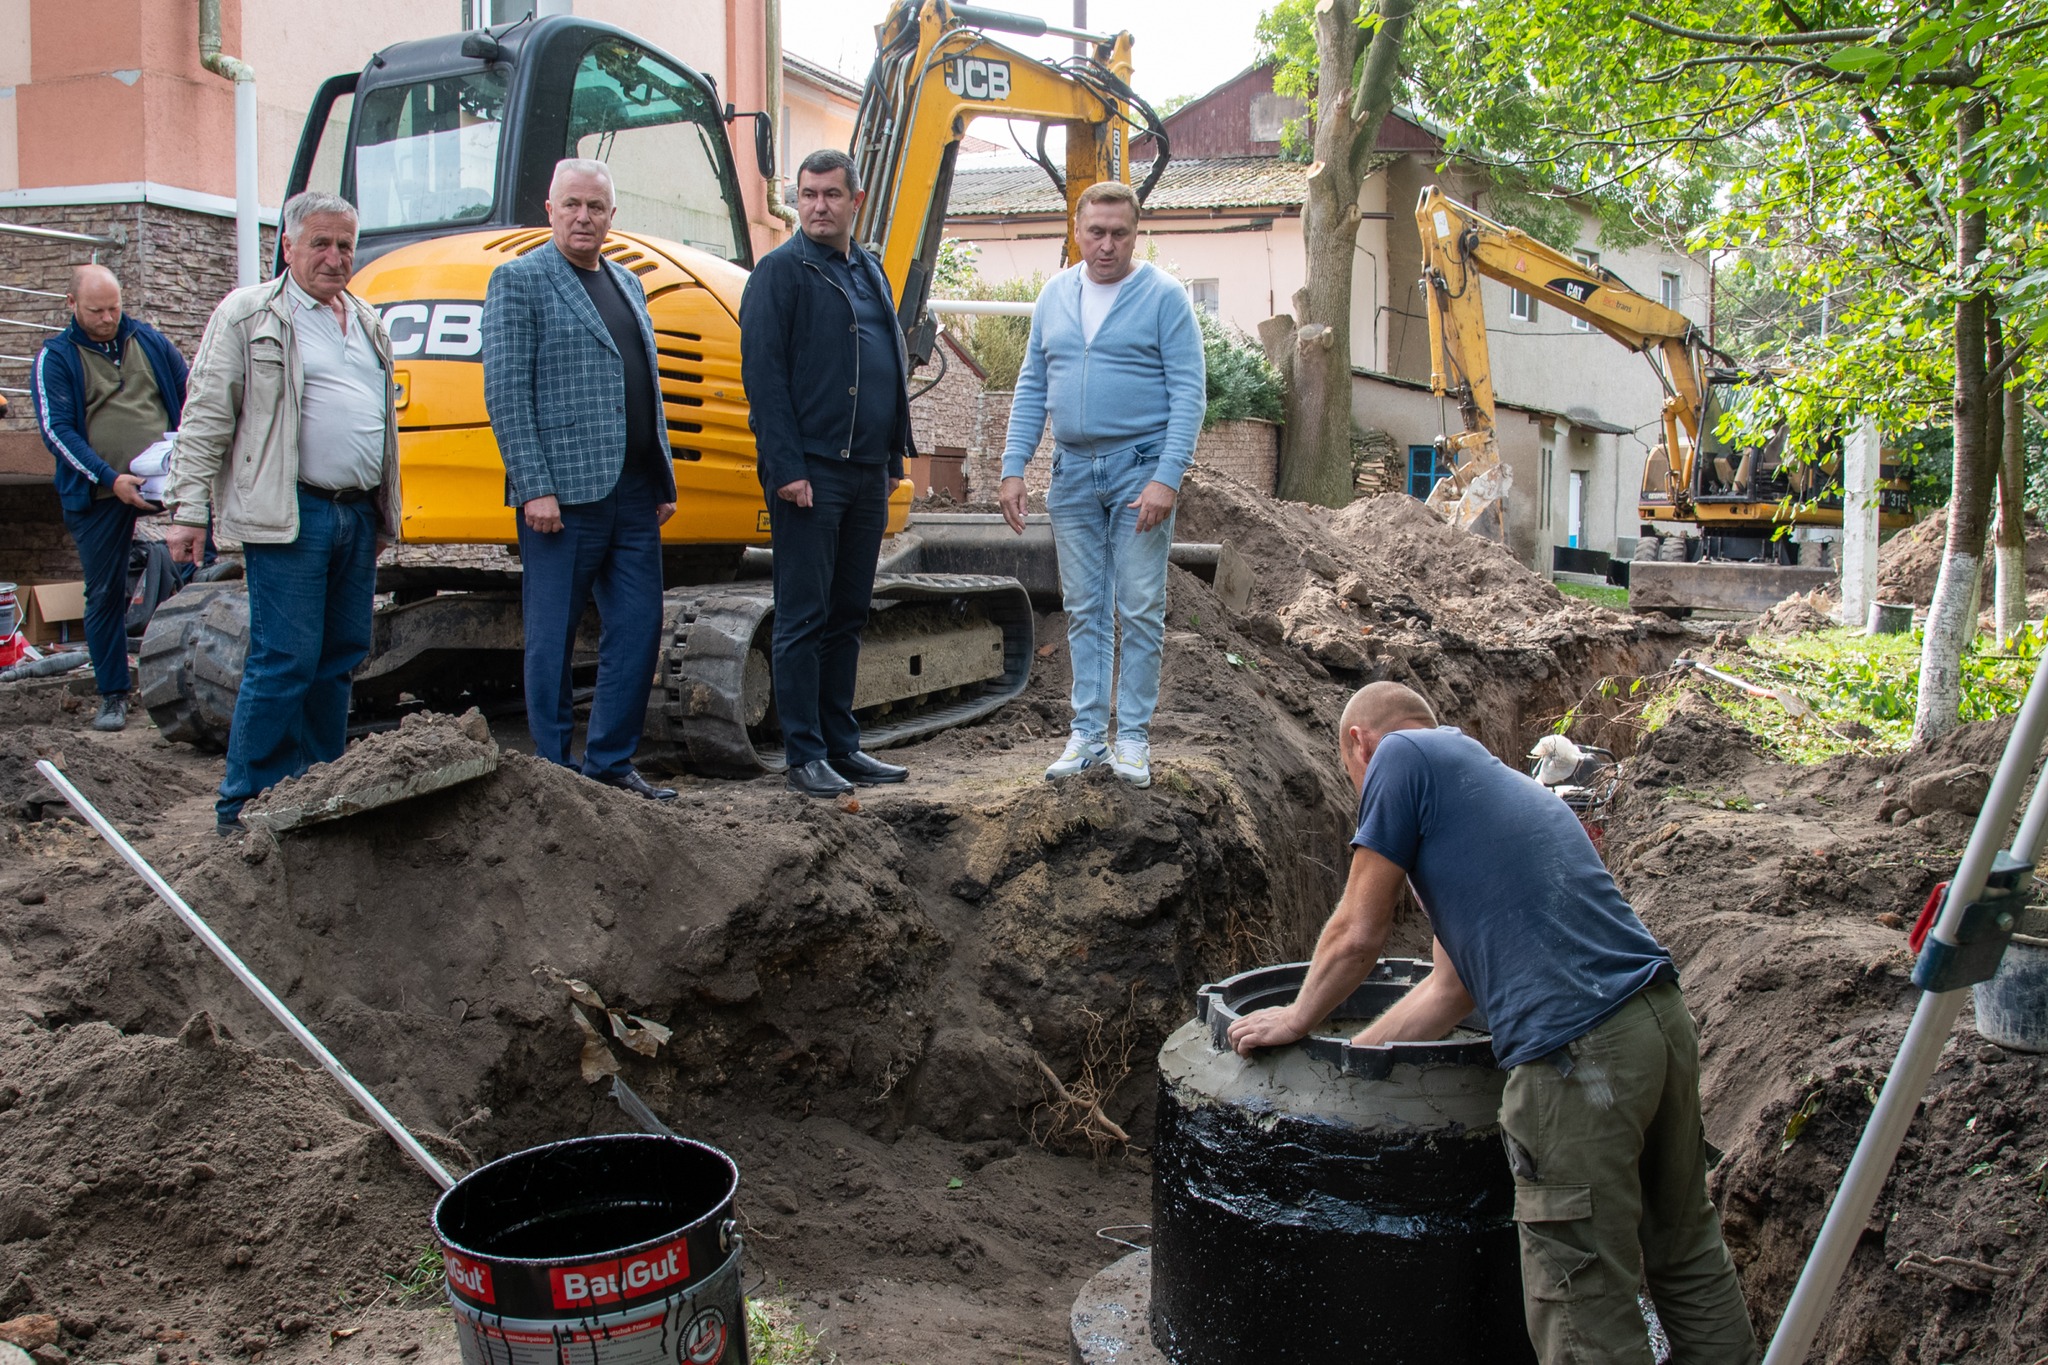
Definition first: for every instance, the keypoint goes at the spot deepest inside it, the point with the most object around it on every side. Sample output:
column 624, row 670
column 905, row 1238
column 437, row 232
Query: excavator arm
column 1459, row 244
column 936, row 69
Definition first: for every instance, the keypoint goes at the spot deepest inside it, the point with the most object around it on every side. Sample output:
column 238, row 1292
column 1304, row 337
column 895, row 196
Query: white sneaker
column 1132, row 761
column 1081, row 753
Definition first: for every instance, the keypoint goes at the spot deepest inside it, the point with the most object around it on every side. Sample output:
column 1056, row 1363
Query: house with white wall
column 1578, row 414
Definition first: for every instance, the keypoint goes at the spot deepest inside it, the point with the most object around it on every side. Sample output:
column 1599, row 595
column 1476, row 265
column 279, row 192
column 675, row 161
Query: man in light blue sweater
column 1115, row 357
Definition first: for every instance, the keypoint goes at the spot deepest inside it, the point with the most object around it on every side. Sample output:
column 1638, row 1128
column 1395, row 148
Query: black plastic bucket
column 617, row 1250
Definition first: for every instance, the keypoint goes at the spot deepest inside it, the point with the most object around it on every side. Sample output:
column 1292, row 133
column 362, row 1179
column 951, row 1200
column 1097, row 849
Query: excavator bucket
column 1475, row 501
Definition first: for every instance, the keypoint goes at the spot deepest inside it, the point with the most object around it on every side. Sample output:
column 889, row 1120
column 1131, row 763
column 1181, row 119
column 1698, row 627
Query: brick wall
column 34, row 547
column 1248, row 451
column 174, row 266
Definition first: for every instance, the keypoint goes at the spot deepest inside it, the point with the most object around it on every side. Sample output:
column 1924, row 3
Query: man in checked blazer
column 571, row 382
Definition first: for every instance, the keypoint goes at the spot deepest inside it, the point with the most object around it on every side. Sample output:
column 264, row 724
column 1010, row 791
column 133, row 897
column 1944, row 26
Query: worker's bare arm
column 1427, row 1012
column 1346, row 953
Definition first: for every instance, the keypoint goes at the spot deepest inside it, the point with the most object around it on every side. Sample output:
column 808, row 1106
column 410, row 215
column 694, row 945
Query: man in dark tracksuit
column 825, row 370
column 105, row 389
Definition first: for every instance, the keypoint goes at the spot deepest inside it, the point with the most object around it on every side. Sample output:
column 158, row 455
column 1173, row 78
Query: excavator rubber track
column 940, row 650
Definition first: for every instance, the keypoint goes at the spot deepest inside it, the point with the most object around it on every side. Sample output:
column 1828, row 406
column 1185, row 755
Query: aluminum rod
column 57, row 234
column 1919, row 1051
column 278, row 1009
column 1000, row 308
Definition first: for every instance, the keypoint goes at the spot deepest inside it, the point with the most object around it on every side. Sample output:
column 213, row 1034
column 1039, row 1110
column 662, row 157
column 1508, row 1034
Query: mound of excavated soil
column 864, row 1005
column 119, row 783
column 192, row 1194
column 1909, row 563
column 66, row 703
column 1785, row 894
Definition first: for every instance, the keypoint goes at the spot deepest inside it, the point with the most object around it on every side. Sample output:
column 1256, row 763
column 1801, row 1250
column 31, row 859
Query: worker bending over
column 1601, row 1115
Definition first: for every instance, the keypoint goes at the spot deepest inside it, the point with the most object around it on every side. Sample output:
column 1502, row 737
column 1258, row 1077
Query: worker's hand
column 187, row 544
column 543, row 514
column 1154, row 504
column 895, row 484
column 1273, row 1027
column 1011, row 496
column 662, row 512
column 798, row 493
column 128, row 488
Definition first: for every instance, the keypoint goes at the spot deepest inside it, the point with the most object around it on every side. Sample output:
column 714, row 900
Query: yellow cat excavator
column 446, row 146
column 1738, row 497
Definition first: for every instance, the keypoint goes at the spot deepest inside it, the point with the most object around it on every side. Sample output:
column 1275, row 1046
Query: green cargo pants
column 1611, row 1189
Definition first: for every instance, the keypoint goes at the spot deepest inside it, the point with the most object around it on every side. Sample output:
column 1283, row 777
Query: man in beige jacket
column 290, row 445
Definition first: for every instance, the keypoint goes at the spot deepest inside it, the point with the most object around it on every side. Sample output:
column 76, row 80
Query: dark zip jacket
column 800, row 363
column 57, row 392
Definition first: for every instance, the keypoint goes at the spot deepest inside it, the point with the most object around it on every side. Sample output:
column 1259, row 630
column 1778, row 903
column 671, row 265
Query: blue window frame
column 1424, row 470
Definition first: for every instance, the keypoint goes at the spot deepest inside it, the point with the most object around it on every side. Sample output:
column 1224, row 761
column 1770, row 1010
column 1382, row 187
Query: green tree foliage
column 1242, row 382
column 996, row 343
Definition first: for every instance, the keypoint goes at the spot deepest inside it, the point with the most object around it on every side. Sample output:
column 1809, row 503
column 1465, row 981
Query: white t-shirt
column 1096, row 300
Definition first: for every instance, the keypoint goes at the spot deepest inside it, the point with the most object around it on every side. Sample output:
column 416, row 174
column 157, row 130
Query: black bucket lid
column 590, row 1225
column 1223, row 1003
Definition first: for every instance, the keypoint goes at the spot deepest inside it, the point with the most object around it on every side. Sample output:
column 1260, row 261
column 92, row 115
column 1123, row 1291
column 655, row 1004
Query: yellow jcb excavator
column 446, row 146
column 1739, row 498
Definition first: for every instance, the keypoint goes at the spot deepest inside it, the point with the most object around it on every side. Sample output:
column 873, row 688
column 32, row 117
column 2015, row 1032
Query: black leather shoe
column 630, row 781
column 817, row 778
column 867, row 770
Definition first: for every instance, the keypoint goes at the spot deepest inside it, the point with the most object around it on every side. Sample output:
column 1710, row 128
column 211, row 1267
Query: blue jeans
column 309, row 626
column 824, row 579
column 608, row 551
column 1110, row 575
column 104, row 533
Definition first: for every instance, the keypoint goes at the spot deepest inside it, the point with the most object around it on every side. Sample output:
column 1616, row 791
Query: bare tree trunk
column 2006, row 435
column 1315, row 356
column 1951, row 620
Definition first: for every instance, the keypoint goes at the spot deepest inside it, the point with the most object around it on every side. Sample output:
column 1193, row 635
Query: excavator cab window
column 426, row 153
column 661, row 134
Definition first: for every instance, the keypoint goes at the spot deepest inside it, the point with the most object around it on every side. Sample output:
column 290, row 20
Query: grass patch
column 419, row 1284
column 1614, row 599
column 775, row 1336
column 1862, row 688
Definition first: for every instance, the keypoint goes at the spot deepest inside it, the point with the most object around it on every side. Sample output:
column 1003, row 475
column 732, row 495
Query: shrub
column 1242, row 382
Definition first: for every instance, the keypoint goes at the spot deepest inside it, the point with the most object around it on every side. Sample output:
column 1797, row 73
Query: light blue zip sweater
column 1141, row 380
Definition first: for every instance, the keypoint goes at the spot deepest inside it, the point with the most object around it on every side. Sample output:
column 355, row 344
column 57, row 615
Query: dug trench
column 923, row 1027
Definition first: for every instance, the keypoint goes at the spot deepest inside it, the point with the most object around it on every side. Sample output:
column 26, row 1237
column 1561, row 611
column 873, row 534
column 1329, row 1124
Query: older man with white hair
column 290, row 447
column 571, row 382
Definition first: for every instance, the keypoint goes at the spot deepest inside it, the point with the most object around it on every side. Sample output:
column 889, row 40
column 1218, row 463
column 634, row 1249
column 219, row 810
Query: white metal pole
column 1861, row 455
column 998, row 308
column 1919, row 1052
column 278, row 1009
column 245, row 179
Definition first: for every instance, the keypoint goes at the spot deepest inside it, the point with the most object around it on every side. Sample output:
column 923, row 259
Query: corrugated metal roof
column 820, row 74
column 1220, row 182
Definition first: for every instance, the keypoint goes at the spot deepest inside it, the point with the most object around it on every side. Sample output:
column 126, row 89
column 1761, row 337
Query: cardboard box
column 52, row 613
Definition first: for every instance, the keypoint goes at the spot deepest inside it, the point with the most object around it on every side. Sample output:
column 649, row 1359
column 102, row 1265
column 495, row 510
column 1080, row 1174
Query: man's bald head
column 95, row 299
column 1384, row 706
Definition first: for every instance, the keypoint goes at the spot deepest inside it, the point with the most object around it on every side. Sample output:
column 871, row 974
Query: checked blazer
column 553, row 381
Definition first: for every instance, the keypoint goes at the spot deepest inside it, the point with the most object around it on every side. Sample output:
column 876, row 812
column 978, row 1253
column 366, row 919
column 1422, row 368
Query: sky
column 1178, row 47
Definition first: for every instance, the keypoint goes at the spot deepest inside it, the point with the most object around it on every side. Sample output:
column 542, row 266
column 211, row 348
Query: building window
column 1591, row 260
column 1521, row 307
column 505, row 11
column 1667, row 289
column 1575, row 511
column 1424, row 469
column 1206, row 296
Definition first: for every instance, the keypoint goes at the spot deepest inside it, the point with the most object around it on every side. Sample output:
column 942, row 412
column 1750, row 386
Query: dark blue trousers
column 609, row 552
column 310, row 604
column 824, row 577
column 103, row 534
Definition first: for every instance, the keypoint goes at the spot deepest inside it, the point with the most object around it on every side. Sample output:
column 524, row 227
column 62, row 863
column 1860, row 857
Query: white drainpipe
column 244, row 77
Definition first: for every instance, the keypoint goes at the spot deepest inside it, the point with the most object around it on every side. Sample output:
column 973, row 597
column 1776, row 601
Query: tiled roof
column 1221, row 182
column 820, row 74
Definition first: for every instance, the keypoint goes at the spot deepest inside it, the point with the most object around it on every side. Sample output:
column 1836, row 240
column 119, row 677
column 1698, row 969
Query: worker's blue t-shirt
column 1513, row 888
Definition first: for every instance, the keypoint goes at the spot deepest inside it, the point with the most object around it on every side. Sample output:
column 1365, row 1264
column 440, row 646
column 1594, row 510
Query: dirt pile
column 863, row 1006
column 1785, row 895
column 1909, row 563
column 121, row 786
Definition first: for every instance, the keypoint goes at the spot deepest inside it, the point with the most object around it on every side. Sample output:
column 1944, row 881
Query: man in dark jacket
column 825, row 372
column 105, row 389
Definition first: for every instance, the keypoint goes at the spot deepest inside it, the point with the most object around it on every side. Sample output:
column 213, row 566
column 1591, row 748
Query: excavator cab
column 462, row 132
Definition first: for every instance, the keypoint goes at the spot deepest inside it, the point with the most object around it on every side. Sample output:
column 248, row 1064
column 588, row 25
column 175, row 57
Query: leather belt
column 337, row 494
